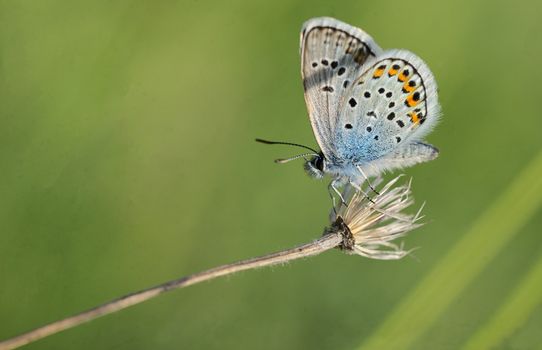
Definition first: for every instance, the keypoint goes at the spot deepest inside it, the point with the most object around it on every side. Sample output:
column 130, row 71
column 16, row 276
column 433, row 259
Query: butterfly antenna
column 286, row 160
column 289, row 144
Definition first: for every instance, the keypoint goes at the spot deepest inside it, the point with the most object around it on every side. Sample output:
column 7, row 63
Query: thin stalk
column 326, row 242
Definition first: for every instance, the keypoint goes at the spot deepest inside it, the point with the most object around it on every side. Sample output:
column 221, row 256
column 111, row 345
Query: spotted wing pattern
column 388, row 108
column 332, row 53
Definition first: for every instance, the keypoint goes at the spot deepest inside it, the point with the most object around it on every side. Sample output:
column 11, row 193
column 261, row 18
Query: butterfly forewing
column 391, row 104
column 332, row 53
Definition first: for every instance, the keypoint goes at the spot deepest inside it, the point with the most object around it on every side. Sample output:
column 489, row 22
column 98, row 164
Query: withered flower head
column 369, row 226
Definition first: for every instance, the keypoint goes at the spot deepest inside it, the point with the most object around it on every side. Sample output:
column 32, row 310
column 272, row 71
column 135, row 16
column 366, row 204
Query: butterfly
column 369, row 108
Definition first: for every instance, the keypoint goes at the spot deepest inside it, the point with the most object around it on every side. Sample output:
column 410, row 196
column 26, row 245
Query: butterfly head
column 315, row 167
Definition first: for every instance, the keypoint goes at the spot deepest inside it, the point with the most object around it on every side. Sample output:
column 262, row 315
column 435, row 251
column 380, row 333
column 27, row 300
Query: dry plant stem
column 319, row 246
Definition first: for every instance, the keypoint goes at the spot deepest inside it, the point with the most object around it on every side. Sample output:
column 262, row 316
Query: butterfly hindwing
column 391, row 104
column 332, row 53
column 402, row 157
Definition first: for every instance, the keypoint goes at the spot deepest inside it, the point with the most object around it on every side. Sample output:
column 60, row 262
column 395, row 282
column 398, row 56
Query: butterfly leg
column 358, row 188
column 334, row 190
column 368, row 182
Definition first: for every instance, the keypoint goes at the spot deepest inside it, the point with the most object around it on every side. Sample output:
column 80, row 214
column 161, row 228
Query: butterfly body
column 369, row 108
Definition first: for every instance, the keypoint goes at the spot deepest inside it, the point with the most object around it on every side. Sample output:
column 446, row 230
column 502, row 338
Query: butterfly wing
column 402, row 157
column 389, row 108
column 332, row 53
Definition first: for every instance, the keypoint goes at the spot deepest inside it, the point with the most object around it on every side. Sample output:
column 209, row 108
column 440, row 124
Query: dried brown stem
column 328, row 241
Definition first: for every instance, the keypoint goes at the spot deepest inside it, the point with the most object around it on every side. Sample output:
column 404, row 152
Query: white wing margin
column 332, row 53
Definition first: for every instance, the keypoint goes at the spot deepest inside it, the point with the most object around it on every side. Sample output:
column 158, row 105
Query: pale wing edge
column 404, row 157
column 357, row 33
column 430, row 85
column 345, row 27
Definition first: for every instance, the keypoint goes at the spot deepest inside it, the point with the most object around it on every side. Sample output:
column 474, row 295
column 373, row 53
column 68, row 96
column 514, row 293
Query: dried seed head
column 369, row 227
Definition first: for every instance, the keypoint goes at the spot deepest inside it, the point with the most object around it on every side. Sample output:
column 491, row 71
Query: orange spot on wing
column 403, row 76
column 392, row 72
column 410, row 101
column 408, row 88
column 414, row 117
column 378, row 72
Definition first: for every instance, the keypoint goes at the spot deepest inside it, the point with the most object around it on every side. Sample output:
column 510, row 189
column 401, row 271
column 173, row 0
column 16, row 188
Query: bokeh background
column 127, row 159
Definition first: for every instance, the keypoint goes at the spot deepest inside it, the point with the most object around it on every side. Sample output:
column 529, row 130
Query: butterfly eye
column 319, row 163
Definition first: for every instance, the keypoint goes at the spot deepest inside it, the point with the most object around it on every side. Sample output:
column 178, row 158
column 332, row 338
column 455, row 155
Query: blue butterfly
column 369, row 109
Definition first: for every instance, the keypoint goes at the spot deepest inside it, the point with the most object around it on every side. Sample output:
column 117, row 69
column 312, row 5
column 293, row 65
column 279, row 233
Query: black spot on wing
column 352, row 102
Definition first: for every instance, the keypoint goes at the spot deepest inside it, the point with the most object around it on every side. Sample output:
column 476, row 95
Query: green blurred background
column 127, row 157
